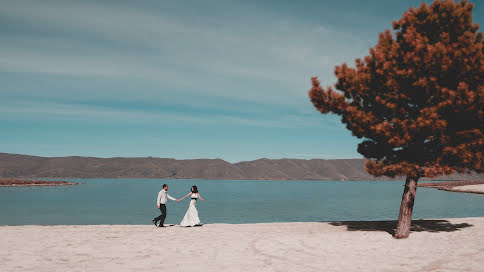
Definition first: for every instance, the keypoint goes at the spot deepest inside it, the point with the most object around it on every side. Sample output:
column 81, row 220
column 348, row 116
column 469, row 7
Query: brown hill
column 25, row 166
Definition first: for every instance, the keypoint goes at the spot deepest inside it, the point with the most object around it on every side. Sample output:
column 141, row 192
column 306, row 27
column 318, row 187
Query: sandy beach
column 434, row 245
column 466, row 186
column 476, row 189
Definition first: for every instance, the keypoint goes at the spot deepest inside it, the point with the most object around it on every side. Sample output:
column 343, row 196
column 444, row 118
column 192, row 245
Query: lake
column 133, row 201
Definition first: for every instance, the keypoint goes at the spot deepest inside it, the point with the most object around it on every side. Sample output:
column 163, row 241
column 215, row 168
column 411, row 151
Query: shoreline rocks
column 467, row 186
column 25, row 183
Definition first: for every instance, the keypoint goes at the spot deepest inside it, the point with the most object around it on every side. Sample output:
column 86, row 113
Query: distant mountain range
column 25, row 166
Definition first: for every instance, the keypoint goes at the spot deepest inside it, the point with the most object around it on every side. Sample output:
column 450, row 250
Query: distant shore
column 27, row 183
column 433, row 245
column 26, row 167
column 467, row 186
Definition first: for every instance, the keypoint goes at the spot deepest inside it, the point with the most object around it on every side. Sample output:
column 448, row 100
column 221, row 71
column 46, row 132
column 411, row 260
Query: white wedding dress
column 191, row 217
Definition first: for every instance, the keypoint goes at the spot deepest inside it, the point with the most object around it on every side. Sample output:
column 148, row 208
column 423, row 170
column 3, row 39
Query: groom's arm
column 170, row 197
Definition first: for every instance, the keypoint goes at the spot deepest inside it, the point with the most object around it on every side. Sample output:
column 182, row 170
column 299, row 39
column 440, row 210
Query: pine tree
column 416, row 100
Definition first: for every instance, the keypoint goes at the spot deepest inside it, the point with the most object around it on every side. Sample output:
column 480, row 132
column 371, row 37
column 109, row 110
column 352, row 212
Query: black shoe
column 154, row 222
column 161, row 226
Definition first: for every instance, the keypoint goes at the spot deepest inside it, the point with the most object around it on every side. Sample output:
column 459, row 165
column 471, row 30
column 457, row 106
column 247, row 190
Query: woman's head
column 194, row 189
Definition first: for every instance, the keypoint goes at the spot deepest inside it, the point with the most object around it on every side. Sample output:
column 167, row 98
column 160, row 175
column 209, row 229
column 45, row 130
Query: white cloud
column 265, row 56
column 100, row 114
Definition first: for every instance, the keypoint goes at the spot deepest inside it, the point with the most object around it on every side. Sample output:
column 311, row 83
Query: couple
column 191, row 217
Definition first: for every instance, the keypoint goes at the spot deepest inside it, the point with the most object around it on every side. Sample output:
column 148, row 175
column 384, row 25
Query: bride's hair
column 194, row 189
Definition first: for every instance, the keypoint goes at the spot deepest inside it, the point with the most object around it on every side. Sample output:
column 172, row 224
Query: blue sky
column 180, row 79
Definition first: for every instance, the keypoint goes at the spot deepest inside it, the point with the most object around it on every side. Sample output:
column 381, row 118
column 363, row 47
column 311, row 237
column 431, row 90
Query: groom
column 160, row 202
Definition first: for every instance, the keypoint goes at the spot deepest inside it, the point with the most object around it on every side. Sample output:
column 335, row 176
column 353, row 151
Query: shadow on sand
column 389, row 226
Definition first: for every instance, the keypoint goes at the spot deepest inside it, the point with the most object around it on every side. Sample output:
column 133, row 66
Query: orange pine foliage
column 417, row 99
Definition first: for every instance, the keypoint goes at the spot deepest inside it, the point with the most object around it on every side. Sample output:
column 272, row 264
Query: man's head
column 165, row 187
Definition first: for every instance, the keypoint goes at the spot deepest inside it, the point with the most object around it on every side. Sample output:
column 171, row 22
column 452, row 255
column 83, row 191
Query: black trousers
column 162, row 216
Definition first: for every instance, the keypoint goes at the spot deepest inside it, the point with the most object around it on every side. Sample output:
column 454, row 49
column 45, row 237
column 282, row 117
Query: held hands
column 178, row 200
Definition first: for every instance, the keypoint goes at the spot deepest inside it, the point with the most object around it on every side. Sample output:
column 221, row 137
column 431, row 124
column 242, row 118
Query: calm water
column 131, row 201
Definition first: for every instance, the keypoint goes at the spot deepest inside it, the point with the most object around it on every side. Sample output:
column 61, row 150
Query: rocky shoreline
column 466, row 186
column 25, row 183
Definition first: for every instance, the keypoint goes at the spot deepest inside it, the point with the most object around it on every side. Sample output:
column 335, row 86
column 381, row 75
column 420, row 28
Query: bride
column 191, row 217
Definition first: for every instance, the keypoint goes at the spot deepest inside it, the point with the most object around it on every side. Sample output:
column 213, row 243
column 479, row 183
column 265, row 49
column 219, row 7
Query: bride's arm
column 183, row 197
column 201, row 197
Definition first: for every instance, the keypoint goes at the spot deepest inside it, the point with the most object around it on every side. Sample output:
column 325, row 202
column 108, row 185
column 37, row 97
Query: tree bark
column 406, row 208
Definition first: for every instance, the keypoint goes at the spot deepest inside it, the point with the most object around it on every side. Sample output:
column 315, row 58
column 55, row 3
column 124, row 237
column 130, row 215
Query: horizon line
column 153, row 157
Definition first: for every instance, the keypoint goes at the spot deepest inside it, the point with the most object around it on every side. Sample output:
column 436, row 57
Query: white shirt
column 162, row 197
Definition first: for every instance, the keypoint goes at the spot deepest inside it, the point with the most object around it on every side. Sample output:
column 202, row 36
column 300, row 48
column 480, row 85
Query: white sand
column 477, row 188
column 248, row 247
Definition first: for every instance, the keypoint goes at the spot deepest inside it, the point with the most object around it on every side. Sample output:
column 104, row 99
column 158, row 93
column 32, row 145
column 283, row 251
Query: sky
column 180, row 79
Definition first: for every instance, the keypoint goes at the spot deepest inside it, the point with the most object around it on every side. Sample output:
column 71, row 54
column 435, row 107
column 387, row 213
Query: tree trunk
column 406, row 208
